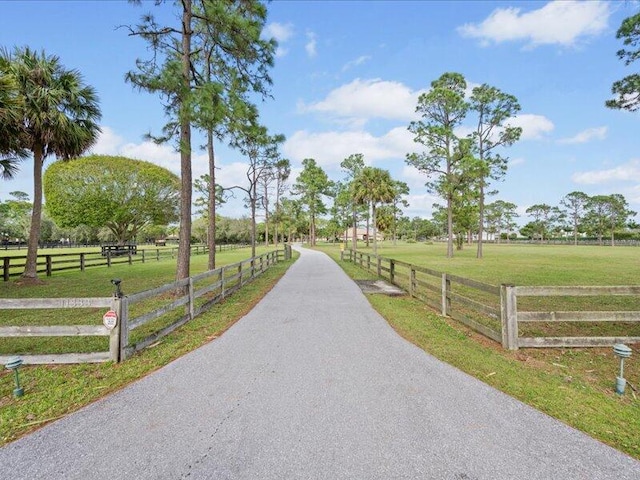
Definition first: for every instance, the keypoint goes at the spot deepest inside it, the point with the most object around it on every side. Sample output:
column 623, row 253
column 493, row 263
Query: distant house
column 361, row 234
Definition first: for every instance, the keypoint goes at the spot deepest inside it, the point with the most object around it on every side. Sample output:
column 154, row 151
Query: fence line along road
column 13, row 265
column 493, row 310
column 199, row 293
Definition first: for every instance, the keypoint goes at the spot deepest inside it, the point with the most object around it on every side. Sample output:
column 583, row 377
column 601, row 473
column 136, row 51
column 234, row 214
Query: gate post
column 509, row 316
column 446, row 299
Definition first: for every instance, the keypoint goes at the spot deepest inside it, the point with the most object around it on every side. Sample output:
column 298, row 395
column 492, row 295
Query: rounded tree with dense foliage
column 119, row 193
column 56, row 115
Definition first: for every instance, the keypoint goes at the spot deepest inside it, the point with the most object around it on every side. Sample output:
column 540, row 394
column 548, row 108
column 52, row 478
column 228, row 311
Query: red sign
column 110, row 319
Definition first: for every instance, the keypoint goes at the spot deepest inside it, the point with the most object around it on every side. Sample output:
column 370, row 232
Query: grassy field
column 575, row 385
column 54, row 391
column 526, row 264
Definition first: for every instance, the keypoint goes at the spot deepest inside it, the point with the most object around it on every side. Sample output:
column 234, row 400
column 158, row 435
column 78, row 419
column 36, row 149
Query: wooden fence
column 63, row 330
column 13, row 266
column 493, row 310
column 140, row 311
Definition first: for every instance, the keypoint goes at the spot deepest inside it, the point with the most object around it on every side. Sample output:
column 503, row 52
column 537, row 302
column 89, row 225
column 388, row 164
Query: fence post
column 446, row 299
column 82, row 265
column 368, row 262
column 143, row 256
column 342, row 255
column 108, row 258
column 509, row 316
column 114, row 334
column 48, row 258
column 158, row 254
column 412, row 281
column 5, row 269
column 379, row 266
column 392, row 271
column 119, row 335
column 130, row 259
column 240, row 274
column 192, row 300
column 222, row 282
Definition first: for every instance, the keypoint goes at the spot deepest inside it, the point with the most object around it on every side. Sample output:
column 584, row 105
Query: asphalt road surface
column 311, row 384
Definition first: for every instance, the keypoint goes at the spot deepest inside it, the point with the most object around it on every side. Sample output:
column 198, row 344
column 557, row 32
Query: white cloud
column 108, row 142
column 595, row 133
column 558, row 22
column 354, row 63
column 516, row 161
column 413, row 178
column 361, row 100
column 533, row 126
column 311, row 46
column 420, row 205
column 330, row 148
column 628, row 172
column 281, row 33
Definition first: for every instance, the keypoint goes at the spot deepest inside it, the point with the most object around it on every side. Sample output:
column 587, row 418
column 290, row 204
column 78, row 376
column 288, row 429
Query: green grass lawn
column 574, row 385
column 525, row 264
column 54, row 391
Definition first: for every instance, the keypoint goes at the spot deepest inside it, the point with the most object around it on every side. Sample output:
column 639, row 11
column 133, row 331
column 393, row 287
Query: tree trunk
column 184, row 245
column 354, row 231
column 449, row 226
column 266, row 217
column 31, row 263
column 395, row 225
column 253, row 219
column 375, row 228
column 481, row 224
column 312, row 230
column 211, row 227
column 368, row 220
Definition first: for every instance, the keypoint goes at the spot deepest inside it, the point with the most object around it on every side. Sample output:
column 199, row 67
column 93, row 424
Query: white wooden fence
column 493, row 310
column 218, row 284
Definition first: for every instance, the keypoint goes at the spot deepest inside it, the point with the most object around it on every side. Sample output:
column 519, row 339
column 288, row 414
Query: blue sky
column 348, row 75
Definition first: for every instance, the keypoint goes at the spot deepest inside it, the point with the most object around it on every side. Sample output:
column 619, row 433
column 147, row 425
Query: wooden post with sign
column 110, row 321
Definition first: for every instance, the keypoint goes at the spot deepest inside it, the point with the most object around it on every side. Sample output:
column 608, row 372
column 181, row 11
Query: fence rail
column 182, row 293
column 62, row 330
column 13, row 265
column 493, row 310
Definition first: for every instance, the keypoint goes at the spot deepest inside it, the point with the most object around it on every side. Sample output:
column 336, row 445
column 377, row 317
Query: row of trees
column 460, row 168
column 207, row 68
column 579, row 214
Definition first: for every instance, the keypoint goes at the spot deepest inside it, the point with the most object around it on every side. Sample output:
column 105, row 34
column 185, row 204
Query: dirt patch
column 29, row 281
column 379, row 286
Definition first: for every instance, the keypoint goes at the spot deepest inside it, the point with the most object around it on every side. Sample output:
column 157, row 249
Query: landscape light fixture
column 116, row 282
column 14, row 364
column 622, row 352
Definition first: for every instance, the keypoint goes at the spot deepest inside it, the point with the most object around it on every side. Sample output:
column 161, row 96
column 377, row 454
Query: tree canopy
column 55, row 113
column 627, row 90
column 119, row 193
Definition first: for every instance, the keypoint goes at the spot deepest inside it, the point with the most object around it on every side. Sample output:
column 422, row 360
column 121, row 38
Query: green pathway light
column 14, row 364
column 622, row 352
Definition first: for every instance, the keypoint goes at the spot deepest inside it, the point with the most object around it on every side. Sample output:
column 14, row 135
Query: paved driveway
column 311, row 384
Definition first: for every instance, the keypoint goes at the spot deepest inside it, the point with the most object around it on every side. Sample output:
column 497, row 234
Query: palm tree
column 57, row 117
column 374, row 186
column 10, row 103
